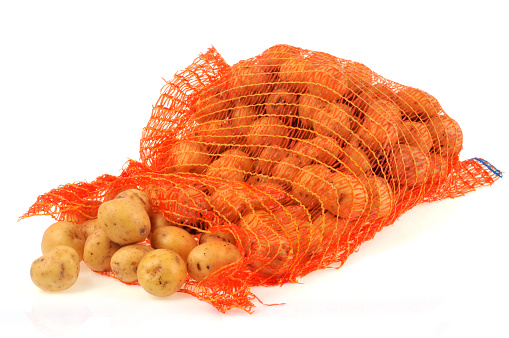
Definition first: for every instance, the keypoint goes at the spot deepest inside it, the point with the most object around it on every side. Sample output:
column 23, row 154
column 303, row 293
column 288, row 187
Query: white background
column 77, row 84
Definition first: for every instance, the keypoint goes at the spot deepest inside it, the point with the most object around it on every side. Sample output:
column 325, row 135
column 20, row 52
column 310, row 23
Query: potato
column 242, row 117
column 221, row 236
column 309, row 106
column 355, row 160
column 294, row 73
column 232, row 165
column 98, row 251
column 124, row 221
column 284, row 172
column 282, row 103
column 157, row 220
column 250, row 83
column 267, row 130
column 328, row 82
column 162, row 272
column 409, row 165
column 416, row 134
column 446, row 134
column 382, row 202
column 228, row 202
column 88, row 227
column 348, row 197
column 272, row 58
column 216, row 136
column 185, row 204
column 310, row 185
column 57, row 269
column 63, row 233
column 321, row 149
column 137, row 196
column 417, row 105
column 209, row 257
column 173, row 238
column 333, row 120
column 212, row 104
column 124, row 262
column 188, row 156
column 381, row 126
column 268, row 157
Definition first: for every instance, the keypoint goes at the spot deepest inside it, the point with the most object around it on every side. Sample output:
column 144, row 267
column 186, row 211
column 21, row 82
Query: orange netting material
column 301, row 155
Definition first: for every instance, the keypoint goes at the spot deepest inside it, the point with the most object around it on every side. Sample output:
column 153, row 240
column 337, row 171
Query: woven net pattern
column 301, row 155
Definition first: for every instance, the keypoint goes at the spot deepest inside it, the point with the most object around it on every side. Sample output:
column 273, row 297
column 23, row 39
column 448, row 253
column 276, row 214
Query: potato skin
column 221, row 236
column 124, row 221
column 137, row 196
column 89, row 226
column 162, row 272
column 63, row 233
column 173, row 238
column 208, row 257
column 57, row 269
column 124, row 262
column 98, row 251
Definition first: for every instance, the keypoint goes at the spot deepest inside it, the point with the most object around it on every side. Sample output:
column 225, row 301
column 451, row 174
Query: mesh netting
column 301, row 155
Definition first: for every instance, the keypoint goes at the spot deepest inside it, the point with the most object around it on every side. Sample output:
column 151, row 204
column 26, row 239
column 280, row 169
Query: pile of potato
column 294, row 148
column 117, row 241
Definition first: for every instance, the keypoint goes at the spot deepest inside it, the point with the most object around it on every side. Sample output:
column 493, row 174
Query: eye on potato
column 63, row 233
column 124, row 262
column 161, row 272
column 57, row 269
column 209, row 257
column 124, row 221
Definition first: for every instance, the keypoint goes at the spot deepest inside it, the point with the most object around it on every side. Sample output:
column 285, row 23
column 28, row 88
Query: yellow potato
column 285, row 171
column 268, row 130
column 294, row 73
column 124, row 262
column 310, row 185
column 416, row 134
column 173, row 238
column 272, row 58
column 161, row 272
column 355, row 160
column 333, row 120
column 157, row 220
column 268, row 157
column 212, row 104
column 98, row 251
column 250, row 83
column 409, row 165
column 221, row 236
column 328, row 82
column 88, row 227
column 137, row 196
column 216, row 136
column 188, row 156
column 282, row 103
column 185, row 204
column 57, row 269
column 209, row 257
column 228, row 202
column 347, row 198
column 63, row 233
column 320, row 149
column 417, row 105
column 309, row 107
column 446, row 134
column 242, row 116
column 382, row 202
column 124, row 221
column 232, row 165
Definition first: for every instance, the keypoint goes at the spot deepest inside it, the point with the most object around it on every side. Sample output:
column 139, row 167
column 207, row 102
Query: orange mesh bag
column 299, row 155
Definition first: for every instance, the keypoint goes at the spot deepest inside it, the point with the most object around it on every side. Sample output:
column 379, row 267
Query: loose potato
column 88, row 227
column 124, row 262
column 124, row 221
column 173, row 238
column 162, row 272
column 139, row 197
column 209, row 257
column 98, row 251
column 157, row 220
column 63, row 233
column 57, row 269
column 221, row 236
